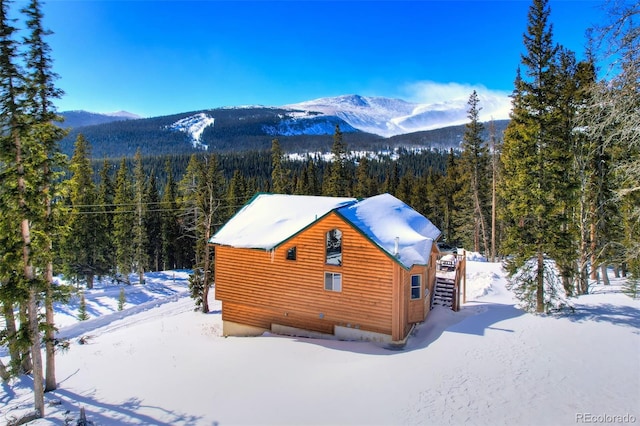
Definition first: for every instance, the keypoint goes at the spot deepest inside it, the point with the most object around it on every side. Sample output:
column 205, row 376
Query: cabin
column 317, row 266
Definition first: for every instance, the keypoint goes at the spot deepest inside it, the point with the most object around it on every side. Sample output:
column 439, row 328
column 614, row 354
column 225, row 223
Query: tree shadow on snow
column 124, row 413
column 627, row 316
column 63, row 406
column 473, row 319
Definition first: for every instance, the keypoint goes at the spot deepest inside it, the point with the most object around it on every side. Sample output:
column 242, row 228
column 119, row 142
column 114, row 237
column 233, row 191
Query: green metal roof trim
column 269, row 220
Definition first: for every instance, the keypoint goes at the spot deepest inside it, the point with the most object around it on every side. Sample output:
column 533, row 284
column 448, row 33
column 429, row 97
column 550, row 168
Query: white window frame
column 419, row 286
column 337, row 261
column 331, row 283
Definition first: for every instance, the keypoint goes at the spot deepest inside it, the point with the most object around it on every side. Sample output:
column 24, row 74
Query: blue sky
column 158, row 57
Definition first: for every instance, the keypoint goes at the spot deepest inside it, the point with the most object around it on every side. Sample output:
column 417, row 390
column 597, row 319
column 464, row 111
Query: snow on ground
column 489, row 364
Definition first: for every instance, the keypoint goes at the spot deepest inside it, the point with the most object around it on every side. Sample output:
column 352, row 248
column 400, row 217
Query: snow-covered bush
column 122, row 299
column 524, row 284
column 82, row 309
column 196, row 287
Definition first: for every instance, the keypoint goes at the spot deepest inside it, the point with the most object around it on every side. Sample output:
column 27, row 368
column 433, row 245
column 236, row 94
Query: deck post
column 464, row 276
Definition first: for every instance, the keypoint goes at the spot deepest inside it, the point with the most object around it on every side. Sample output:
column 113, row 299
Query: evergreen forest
column 554, row 195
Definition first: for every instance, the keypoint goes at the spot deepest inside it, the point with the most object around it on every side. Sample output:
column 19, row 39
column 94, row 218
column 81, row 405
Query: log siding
column 260, row 288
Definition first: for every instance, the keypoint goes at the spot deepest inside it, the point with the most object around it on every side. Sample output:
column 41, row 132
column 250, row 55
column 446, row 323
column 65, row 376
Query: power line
column 180, row 209
column 148, row 203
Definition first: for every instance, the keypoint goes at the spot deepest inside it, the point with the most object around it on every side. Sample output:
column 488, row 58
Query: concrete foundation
column 230, row 328
column 346, row 333
column 299, row 332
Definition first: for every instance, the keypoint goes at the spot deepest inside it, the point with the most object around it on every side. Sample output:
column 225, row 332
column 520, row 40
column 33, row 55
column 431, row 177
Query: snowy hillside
column 158, row 362
column 306, row 123
column 194, row 126
column 389, row 117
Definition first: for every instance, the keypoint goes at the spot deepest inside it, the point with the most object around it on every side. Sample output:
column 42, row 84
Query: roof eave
column 382, row 249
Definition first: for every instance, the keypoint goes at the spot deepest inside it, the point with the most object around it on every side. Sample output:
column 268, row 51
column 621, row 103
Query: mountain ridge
column 82, row 118
column 389, row 117
column 366, row 122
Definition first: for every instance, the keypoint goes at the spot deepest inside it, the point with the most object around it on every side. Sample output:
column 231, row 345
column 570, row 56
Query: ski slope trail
column 145, row 312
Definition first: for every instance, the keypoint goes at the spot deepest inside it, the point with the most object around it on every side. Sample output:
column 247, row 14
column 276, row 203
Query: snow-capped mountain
column 380, row 116
column 390, row 117
column 295, row 123
column 123, row 114
column 372, row 123
column 82, row 118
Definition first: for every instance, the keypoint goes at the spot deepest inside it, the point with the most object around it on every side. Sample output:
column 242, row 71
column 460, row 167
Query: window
column 291, row 253
column 332, row 281
column 416, row 286
column 334, row 247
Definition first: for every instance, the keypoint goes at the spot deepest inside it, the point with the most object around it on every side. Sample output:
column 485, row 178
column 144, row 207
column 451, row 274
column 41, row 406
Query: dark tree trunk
column 540, row 284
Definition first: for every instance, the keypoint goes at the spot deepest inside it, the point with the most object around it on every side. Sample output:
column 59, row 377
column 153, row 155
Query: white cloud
column 428, row 92
column 495, row 104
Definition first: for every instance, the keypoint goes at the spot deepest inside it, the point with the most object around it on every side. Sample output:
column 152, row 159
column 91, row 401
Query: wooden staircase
column 449, row 281
column 444, row 293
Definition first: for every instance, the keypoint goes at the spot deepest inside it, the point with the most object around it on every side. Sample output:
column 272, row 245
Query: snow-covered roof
column 395, row 227
column 269, row 219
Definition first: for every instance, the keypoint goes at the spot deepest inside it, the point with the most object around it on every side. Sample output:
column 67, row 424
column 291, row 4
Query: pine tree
column 139, row 230
column 80, row 239
column 535, row 161
column 196, row 289
column 104, row 245
column 41, row 90
column 122, row 299
column 20, row 155
column 474, row 167
column 170, row 232
column 279, row 175
column 82, row 308
column 420, row 197
column 407, row 181
column 13, row 291
column 338, row 183
column 314, row 187
column 39, row 95
column 364, row 183
column 302, row 182
column 462, row 212
column 236, row 195
column 123, row 222
column 392, row 180
column 436, row 207
column 451, row 185
column 153, row 223
column 564, row 165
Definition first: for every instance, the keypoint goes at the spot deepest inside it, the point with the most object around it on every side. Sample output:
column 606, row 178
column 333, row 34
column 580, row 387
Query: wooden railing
column 457, row 263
